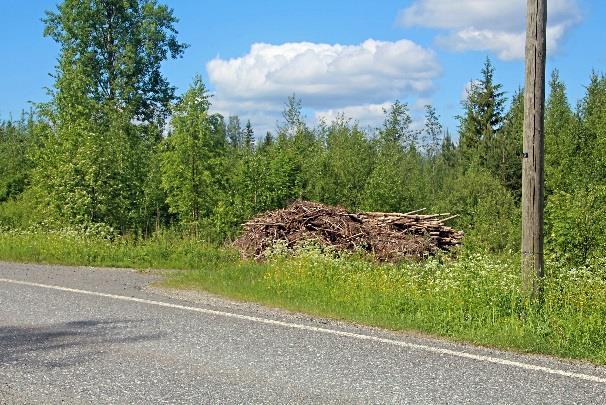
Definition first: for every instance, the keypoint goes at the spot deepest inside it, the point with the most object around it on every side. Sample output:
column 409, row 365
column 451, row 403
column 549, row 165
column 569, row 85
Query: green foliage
column 97, row 176
column 192, row 159
column 15, row 142
column 576, row 178
column 154, row 209
column 234, row 132
column 347, row 163
column 591, row 153
column 397, row 126
column 89, row 173
column 248, row 136
column 20, row 212
column 261, row 180
column 433, row 132
column 576, row 225
column 395, row 183
column 504, row 159
column 107, row 112
column 487, row 211
column 560, row 140
column 292, row 116
column 101, row 152
column 111, row 52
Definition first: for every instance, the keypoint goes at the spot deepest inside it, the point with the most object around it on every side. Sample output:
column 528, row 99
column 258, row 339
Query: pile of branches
column 387, row 236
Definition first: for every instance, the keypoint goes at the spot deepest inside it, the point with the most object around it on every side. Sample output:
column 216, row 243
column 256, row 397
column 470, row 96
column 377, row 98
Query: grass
column 474, row 298
column 167, row 251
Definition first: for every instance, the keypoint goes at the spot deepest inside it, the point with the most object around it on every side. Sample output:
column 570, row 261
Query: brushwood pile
column 389, row 237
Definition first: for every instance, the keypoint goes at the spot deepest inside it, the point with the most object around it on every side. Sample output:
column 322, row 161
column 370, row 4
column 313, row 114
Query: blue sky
column 337, row 55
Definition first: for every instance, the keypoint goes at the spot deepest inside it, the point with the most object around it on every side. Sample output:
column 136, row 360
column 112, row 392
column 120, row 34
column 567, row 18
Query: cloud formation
column 325, row 76
column 488, row 25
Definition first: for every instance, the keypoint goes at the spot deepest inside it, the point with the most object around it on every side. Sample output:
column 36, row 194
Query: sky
column 338, row 56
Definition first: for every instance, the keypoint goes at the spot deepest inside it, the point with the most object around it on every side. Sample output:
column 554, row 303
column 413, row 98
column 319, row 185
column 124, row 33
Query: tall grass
column 474, row 298
column 164, row 251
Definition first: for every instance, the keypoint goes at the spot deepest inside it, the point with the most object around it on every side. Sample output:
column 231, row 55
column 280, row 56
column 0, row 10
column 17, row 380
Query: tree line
column 116, row 148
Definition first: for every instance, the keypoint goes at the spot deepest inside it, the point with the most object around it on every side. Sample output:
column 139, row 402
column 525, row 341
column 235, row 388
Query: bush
column 487, row 211
column 576, row 225
column 20, row 213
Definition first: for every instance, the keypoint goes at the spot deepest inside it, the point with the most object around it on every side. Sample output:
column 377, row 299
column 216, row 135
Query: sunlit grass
column 166, row 251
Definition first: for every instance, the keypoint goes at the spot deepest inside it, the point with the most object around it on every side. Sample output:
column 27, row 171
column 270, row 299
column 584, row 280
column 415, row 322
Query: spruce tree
column 483, row 117
column 560, row 142
column 592, row 138
column 268, row 140
column 505, row 161
column 248, row 137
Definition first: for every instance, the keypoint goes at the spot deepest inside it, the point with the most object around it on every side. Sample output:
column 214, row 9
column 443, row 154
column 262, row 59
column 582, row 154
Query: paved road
column 82, row 335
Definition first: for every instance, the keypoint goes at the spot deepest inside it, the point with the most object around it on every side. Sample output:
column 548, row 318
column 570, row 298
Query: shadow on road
column 67, row 344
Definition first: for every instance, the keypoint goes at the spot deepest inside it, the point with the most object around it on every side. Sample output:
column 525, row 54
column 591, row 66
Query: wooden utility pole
column 533, row 161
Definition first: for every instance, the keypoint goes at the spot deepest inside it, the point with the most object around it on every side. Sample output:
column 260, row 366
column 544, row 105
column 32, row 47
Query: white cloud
column 325, row 76
column 488, row 25
column 419, row 105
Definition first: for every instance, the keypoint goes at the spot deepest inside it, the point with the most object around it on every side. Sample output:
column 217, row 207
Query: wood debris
column 387, row 236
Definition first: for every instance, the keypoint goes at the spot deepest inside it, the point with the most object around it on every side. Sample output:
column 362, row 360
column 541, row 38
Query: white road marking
column 415, row 346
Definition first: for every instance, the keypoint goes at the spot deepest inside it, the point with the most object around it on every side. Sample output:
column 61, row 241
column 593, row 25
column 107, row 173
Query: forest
column 116, row 152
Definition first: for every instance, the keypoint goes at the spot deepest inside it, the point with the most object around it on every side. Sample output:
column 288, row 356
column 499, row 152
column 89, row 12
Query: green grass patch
column 167, row 251
column 474, row 298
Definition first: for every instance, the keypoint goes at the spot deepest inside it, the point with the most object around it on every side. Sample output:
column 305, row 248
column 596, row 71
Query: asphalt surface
column 83, row 335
